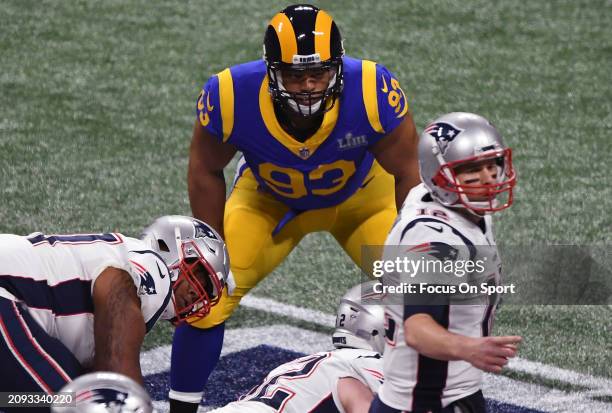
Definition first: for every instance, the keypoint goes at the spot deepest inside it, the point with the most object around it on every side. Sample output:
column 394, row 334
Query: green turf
column 98, row 104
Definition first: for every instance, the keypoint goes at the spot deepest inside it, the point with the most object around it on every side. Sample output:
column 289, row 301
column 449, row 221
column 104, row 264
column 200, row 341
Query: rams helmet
column 193, row 252
column 360, row 319
column 461, row 138
column 303, row 38
column 103, row 392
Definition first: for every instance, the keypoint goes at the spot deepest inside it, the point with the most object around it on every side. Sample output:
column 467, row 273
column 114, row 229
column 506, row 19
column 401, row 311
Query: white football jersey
column 309, row 384
column 426, row 227
column 54, row 276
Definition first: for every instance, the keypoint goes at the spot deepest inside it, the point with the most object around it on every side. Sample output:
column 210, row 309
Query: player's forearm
column 207, row 198
column 429, row 338
column 403, row 185
column 118, row 349
column 119, row 327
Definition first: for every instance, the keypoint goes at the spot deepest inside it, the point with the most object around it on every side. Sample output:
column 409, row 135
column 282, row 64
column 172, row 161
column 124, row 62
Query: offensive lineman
column 80, row 302
column 328, row 144
column 435, row 354
column 342, row 380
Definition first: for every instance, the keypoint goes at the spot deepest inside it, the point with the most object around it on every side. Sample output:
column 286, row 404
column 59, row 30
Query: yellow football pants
column 251, row 215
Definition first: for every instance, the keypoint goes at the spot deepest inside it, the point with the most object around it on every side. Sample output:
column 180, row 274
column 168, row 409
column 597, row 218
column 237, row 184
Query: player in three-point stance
column 328, row 144
column 436, row 351
column 75, row 303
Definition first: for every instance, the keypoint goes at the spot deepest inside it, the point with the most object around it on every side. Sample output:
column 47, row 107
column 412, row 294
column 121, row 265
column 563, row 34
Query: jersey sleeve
column 363, row 365
column 208, row 110
column 215, row 106
column 392, row 101
column 152, row 280
column 369, row 370
column 385, row 101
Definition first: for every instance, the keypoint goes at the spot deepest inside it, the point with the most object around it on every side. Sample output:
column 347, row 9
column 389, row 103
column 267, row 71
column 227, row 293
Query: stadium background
column 97, row 108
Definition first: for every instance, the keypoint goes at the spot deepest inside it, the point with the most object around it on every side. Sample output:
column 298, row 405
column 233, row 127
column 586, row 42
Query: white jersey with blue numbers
column 54, row 276
column 427, row 229
column 309, row 384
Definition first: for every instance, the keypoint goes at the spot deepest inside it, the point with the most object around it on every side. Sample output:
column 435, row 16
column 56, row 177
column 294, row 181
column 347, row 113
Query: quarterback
column 327, row 144
column 74, row 303
column 342, row 380
column 436, row 351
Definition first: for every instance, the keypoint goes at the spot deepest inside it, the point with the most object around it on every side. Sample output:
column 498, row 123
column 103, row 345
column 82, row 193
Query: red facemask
column 506, row 181
column 203, row 283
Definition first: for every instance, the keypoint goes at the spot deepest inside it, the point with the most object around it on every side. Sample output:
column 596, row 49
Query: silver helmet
column 461, row 138
column 360, row 319
column 103, row 392
column 193, row 252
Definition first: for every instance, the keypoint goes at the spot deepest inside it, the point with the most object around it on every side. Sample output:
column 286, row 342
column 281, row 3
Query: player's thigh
column 250, row 217
column 367, row 217
column 31, row 359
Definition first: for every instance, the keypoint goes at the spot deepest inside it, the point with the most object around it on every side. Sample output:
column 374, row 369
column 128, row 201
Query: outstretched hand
column 491, row 354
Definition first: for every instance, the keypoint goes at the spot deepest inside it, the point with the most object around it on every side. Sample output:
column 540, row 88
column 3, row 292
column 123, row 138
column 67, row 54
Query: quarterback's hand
column 491, row 354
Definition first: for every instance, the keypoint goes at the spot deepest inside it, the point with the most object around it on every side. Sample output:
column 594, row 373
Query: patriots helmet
column 456, row 139
column 302, row 38
column 360, row 319
column 105, row 392
column 194, row 253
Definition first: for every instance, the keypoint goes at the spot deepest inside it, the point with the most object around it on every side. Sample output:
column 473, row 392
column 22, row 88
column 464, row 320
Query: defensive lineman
column 435, row 354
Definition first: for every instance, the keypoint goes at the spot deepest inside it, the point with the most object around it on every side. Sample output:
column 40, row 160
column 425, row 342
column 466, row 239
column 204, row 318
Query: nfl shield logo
column 304, row 153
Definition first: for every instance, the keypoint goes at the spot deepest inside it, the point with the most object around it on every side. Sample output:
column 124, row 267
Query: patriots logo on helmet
column 443, row 132
column 203, row 231
column 105, row 397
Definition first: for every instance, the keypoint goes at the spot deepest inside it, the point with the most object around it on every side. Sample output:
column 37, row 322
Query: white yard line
column 499, row 388
column 300, row 313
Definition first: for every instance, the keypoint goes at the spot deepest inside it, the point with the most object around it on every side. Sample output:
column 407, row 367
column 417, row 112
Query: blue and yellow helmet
column 303, row 37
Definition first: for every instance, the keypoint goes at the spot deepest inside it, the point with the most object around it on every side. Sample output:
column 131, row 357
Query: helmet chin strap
column 471, row 206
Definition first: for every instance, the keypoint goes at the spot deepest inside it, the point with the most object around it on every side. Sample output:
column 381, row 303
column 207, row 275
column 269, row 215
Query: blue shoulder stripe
column 66, row 298
column 159, row 312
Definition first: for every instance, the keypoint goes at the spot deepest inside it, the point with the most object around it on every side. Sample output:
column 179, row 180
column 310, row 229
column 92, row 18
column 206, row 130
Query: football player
column 73, row 303
column 328, row 144
column 342, row 380
column 435, row 355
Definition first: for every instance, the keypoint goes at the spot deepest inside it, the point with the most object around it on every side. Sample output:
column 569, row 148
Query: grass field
column 98, row 101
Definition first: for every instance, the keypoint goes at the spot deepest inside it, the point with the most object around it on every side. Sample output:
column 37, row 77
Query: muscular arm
column 119, row 327
column 355, row 396
column 397, row 153
column 429, row 338
column 205, row 179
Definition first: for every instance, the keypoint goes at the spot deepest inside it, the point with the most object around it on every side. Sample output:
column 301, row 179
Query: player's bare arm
column 429, row 338
column 397, row 153
column 355, row 396
column 119, row 327
column 205, row 179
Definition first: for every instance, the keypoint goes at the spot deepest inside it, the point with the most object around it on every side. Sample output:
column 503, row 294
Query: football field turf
column 98, row 104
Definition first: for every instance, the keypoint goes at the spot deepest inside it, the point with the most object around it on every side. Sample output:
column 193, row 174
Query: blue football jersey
column 330, row 165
